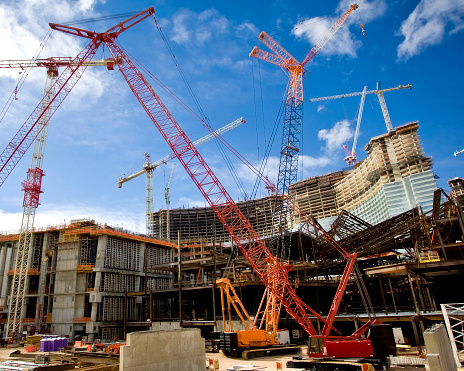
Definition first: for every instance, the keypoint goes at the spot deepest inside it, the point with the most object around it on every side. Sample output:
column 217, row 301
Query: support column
column 379, row 278
column 392, row 294
column 179, row 276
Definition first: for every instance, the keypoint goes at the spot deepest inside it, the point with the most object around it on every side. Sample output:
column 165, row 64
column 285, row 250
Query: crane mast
column 168, row 204
column 351, row 156
column 293, row 118
column 32, row 185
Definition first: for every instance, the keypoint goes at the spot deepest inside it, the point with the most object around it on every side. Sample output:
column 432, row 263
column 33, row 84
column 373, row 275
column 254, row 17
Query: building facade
column 78, row 279
column 395, row 177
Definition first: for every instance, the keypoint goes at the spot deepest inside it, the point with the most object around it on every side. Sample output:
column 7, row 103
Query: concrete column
column 140, row 282
column 3, row 255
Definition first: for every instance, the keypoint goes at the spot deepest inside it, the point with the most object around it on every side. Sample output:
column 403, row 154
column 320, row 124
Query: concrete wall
column 439, row 353
column 177, row 350
column 65, row 289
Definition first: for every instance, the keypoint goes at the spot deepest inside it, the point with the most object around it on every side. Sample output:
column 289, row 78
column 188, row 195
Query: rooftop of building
column 89, row 226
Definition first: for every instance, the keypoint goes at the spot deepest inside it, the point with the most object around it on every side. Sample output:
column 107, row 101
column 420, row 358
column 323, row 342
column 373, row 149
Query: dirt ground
column 264, row 363
column 270, row 363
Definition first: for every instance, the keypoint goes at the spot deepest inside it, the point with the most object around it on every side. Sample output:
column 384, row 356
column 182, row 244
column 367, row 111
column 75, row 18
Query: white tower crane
column 148, row 168
column 351, row 156
column 379, row 92
column 168, row 204
column 32, row 191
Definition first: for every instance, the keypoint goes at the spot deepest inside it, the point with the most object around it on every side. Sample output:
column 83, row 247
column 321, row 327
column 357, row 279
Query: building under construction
column 89, row 279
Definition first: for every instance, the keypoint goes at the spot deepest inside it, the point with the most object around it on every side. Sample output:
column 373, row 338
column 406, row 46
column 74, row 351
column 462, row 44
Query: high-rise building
column 395, row 177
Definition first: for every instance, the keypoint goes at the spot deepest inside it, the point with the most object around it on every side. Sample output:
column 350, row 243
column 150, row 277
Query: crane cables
column 22, row 77
column 204, row 117
column 268, row 148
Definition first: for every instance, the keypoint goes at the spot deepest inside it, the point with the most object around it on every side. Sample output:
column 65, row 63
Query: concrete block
column 177, row 350
column 439, row 353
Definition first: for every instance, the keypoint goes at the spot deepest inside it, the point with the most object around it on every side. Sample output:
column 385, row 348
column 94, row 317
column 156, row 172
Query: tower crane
column 379, row 92
column 32, row 188
column 168, row 204
column 351, row 155
column 148, row 168
column 272, row 271
column 288, row 165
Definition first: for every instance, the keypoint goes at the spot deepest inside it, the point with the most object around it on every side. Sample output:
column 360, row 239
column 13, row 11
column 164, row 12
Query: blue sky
column 100, row 132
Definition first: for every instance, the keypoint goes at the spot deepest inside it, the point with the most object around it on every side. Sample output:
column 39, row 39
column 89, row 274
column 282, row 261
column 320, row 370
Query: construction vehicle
column 261, row 334
column 272, row 271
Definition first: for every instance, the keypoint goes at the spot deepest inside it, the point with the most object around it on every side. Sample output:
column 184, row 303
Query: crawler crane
column 270, row 270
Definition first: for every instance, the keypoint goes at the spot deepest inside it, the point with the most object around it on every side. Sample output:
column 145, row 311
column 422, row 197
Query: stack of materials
column 52, row 343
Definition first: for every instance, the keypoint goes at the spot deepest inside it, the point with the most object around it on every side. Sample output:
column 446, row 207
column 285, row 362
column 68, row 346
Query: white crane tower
column 32, row 191
column 148, row 168
column 351, row 156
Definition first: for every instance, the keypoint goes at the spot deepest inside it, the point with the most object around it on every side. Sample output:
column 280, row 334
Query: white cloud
column 343, row 42
column 335, row 137
column 367, row 11
column 427, row 25
column 246, row 29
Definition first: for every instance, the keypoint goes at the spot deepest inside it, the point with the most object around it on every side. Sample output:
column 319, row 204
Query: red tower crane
column 293, row 118
column 272, row 272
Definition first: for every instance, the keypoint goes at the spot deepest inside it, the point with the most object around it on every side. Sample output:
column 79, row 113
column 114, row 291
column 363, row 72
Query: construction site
column 375, row 250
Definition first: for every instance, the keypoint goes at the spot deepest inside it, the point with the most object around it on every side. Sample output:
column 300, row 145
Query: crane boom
column 26, row 135
column 409, row 86
column 52, row 62
column 165, row 159
column 379, row 92
column 327, row 35
column 358, row 123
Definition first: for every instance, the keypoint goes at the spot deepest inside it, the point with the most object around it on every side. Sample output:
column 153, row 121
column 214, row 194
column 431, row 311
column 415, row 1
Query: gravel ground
column 270, row 363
